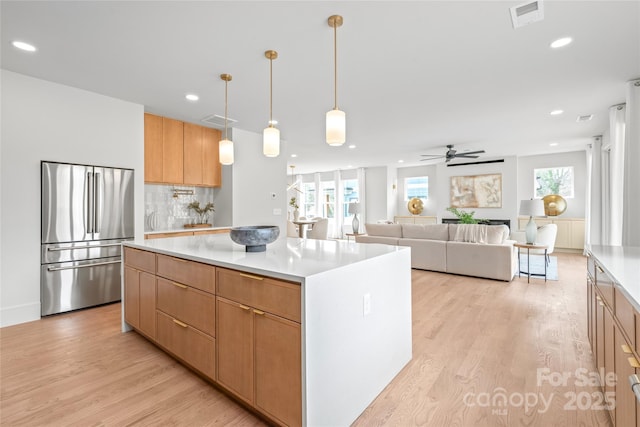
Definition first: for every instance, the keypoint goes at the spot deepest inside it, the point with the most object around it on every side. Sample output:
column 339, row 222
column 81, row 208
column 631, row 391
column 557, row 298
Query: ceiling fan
column 452, row 154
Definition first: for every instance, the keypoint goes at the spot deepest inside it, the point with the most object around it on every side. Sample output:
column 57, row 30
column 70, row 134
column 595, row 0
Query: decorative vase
column 296, row 215
column 355, row 224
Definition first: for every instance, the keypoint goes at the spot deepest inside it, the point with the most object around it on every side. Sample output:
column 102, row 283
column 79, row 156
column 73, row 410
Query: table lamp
column 531, row 208
column 354, row 208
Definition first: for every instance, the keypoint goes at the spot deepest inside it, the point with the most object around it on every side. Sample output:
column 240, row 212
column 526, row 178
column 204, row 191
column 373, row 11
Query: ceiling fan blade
column 435, row 156
column 474, row 152
column 466, row 156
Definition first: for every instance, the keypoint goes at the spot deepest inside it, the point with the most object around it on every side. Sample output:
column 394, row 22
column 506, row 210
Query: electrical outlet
column 366, row 304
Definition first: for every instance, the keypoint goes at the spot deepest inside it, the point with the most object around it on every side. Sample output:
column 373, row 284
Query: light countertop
column 287, row 258
column 622, row 263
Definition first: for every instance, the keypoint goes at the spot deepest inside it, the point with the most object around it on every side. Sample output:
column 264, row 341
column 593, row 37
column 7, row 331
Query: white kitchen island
column 355, row 304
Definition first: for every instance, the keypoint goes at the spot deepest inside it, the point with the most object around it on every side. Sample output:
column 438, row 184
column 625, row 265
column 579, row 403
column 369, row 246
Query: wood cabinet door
column 172, row 151
column 148, row 304
column 599, row 335
column 278, row 384
column 132, row 296
column 235, row 348
column 192, row 151
column 563, row 238
column 577, row 234
column 625, row 408
column 609, row 387
column 211, row 168
column 152, row 148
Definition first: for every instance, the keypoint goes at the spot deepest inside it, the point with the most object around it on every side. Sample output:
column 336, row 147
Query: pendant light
column 336, row 119
column 271, row 135
column 226, row 145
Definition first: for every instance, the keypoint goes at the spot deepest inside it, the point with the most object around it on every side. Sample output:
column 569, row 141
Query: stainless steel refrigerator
column 87, row 212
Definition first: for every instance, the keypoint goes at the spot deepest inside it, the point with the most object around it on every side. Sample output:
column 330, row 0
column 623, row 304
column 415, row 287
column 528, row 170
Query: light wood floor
column 473, row 340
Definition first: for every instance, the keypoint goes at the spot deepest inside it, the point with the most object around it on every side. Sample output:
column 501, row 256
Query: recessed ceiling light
column 294, row 155
column 553, row 144
column 352, row 146
column 556, row 112
column 561, row 42
column 400, row 161
column 192, row 97
column 24, row 46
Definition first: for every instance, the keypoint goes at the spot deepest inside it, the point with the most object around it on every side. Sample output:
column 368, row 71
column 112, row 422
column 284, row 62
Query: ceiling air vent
column 527, row 13
column 584, row 118
column 218, row 121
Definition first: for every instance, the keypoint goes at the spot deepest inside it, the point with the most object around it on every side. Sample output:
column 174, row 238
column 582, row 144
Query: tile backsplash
column 163, row 211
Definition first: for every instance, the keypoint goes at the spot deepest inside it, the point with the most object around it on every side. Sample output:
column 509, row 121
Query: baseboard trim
column 17, row 314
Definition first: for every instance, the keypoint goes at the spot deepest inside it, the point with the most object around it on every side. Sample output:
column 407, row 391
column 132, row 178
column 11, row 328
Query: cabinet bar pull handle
column 599, row 269
column 601, row 304
column 625, row 349
column 633, row 362
column 244, row 307
column 177, row 322
column 251, row 276
column 260, row 312
column 598, row 298
column 179, row 285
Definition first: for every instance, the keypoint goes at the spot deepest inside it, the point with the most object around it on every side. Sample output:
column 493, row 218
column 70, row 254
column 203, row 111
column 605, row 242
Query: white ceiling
column 412, row 76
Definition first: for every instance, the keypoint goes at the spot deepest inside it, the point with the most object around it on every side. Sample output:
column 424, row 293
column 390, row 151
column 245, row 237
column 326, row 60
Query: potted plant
column 293, row 203
column 464, row 217
column 201, row 212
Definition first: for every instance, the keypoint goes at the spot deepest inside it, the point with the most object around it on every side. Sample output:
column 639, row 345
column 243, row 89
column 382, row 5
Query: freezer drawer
column 72, row 285
column 79, row 251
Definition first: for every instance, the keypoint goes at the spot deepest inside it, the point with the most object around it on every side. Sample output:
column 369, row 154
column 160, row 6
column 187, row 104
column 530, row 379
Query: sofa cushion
column 363, row 238
column 478, row 233
column 385, row 230
column 497, row 234
column 426, row 231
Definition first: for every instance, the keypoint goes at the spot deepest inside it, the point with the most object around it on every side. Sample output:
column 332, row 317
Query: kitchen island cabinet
column 613, row 317
column 281, row 318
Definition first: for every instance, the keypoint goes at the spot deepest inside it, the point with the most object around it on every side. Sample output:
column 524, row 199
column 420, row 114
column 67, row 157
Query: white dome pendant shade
column 336, row 127
column 225, row 147
column 336, row 130
column 271, row 135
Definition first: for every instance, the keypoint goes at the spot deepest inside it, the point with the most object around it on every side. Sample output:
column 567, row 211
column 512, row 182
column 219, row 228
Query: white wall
column 432, row 203
column 376, row 194
column 48, row 121
column 577, row 159
column 255, row 178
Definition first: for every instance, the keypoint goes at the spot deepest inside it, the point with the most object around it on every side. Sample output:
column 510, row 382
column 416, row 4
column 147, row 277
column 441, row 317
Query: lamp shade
column 354, row 208
column 271, row 142
column 533, row 207
column 226, row 152
column 336, row 132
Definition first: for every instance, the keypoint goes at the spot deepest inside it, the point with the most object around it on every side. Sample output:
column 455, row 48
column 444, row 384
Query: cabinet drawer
column 191, row 306
column 605, row 286
column 192, row 346
column 198, row 275
column 624, row 313
column 272, row 295
column 141, row 260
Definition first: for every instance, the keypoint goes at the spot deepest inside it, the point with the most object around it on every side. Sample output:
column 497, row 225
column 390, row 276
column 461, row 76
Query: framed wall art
column 476, row 191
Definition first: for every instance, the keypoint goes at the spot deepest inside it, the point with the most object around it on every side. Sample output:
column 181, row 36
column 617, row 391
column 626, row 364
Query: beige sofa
column 476, row 250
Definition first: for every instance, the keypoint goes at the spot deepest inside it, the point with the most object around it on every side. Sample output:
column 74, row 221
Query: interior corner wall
column 255, row 179
column 577, row 159
column 42, row 120
column 376, row 196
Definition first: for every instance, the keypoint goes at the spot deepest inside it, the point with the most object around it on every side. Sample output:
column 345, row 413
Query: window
column 350, row 194
column 553, row 181
column 309, row 197
column 328, row 201
column 416, row 186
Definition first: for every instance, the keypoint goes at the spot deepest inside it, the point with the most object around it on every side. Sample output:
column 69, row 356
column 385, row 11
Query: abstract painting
column 476, row 191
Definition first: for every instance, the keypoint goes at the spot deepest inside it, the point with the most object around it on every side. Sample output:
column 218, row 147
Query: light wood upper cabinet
column 172, row 150
column 212, row 170
column 180, row 153
column 152, row 148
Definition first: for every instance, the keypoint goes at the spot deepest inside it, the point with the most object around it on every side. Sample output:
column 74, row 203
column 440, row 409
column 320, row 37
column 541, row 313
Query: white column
column 631, row 190
column 594, row 194
column 362, row 199
column 616, row 181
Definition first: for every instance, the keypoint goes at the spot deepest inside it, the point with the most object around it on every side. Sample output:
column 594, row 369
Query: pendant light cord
column 335, row 66
column 271, row 92
column 226, row 85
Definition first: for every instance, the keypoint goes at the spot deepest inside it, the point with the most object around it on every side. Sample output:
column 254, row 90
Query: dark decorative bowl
column 255, row 237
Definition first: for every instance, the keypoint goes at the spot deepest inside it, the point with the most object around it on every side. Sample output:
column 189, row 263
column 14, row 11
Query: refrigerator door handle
column 88, row 203
column 97, row 197
column 73, row 267
column 71, row 248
